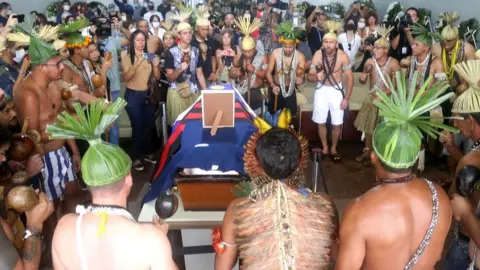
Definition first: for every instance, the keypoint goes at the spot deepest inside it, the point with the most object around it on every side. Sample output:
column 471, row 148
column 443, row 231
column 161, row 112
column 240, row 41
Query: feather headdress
column 477, row 54
column 182, row 16
column 397, row 140
column 247, row 27
column 332, row 27
column 384, row 32
column 450, row 31
column 103, row 163
column 202, row 14
column 424, row 35
column 468, row 101
column 168, row 26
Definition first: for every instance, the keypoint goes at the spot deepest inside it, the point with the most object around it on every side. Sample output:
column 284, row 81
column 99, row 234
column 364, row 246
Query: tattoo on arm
column 30, row 249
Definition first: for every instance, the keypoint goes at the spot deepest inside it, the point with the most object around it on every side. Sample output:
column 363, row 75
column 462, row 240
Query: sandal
column 336, row 158
column 365, row 155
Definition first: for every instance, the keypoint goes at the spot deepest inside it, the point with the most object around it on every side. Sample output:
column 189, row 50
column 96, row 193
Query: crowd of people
column 62, row 81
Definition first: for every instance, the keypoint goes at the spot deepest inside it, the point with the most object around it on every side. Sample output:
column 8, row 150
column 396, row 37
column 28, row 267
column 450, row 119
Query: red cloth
column 255, row 33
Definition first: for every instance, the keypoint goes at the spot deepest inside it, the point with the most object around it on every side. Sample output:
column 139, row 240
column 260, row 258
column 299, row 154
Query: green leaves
column 75, row 26
column 397, row 140
column 89, row 124
column 287, row 30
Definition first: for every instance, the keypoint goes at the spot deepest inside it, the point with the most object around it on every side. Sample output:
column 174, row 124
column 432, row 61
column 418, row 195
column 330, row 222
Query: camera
column 405, row 21
column 370, row 40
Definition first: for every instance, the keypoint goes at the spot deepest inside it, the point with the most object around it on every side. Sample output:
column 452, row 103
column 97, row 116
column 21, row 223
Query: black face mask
column 350, row 27
column 125, row 1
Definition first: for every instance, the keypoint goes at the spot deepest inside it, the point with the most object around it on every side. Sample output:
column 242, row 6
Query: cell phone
column 150, row 56
column 20, row 18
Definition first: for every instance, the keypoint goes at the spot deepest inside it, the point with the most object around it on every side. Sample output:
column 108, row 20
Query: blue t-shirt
column 113, row 45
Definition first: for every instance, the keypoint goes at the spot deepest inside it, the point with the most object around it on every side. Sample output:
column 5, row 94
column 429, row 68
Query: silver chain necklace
column 281, row 77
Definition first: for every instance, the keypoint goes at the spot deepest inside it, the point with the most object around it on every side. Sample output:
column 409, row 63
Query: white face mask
column 66, row 7
column 145, row 4
column 156, row 24
column 172, row 8
column 124, row 18
column 247, row 15
column 19, row 54
column 361, row 25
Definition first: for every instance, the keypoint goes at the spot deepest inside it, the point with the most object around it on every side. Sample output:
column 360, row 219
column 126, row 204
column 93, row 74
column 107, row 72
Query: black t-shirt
column 404, row 49
column 163, row 10
column 207, row 64
column 315, row 37
column 170, row 64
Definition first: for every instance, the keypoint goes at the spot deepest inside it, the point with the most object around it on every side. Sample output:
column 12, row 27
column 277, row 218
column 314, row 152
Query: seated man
column 86, row 240
column 268, row 228
column 29, row 256
column 403, row 222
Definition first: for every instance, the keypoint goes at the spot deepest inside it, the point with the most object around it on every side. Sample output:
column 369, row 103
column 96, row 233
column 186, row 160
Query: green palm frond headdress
column 468, row 101
column 397, row 140
column 288, row 32
column 424, row 35
column 103, row 163
column 39, row 50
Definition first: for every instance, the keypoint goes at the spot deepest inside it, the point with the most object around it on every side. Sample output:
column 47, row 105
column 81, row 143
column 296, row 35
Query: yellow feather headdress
column 182, row 16
column 247, row 27
column 477, row 54
column 332, row 27
column 202, row 15
column 168, row 26
column 46, row 33
column 450, row 31
column 384, row 32
column 468, row 101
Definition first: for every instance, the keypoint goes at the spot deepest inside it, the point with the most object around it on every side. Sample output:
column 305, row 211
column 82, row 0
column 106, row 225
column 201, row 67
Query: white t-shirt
column 351, row 50
column 161, row 31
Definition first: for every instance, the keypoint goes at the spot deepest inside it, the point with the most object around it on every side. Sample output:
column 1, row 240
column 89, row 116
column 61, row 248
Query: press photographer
column 403, row 38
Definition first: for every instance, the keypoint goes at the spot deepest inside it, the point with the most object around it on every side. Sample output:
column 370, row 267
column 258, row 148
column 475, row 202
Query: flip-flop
column 336, row 158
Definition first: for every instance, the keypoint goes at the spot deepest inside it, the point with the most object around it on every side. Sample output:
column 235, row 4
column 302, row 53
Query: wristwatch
column 29, row 233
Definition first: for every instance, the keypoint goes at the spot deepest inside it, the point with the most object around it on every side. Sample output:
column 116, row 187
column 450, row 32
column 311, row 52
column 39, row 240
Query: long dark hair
column 131, row 47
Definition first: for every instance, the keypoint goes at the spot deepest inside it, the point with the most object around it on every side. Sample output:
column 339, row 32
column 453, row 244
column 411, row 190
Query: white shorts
column 327, row 98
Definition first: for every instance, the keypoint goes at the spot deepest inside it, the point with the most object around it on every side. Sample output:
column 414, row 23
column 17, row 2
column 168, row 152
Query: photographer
column 315, row 20
column 403, row 38
column 355, row 13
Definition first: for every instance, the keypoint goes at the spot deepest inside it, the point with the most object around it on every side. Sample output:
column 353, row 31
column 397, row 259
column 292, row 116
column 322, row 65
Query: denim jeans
column 114, row 134
column 457, row 257
column 142, row 119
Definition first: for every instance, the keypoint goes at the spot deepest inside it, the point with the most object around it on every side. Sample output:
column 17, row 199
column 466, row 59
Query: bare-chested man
column 249, row 68
column 451, row 50
column 38, row 98
column 403, row 222
column 367, row 118
column 422, row 60
column 285, row 62
column 153, row 41
column 75, row 71
column 329, row 66
column 105, row 235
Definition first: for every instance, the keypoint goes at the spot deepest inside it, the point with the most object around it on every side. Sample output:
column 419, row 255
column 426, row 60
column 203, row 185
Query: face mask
column 19, row 54
column 9, row 12
column 137, row 5
column 361, row 25
column 125, row 1
column 124, row 18
column 172, row 8
column 66, row 7
column 247, row 15
column 145, row 4
column 156, row 24
column 350, row 27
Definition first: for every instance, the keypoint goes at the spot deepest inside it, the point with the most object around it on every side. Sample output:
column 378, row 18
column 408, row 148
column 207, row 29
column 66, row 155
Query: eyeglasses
column 54, row 65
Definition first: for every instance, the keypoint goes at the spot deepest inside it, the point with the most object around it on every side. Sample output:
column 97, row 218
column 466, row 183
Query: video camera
column 404, row 22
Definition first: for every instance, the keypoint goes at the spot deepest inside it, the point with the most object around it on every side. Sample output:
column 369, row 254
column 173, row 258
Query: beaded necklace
column 449, row 70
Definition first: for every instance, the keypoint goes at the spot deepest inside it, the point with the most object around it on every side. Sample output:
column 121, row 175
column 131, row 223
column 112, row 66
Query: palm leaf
column 287, row 30
column 75, row 26
column 90, row 124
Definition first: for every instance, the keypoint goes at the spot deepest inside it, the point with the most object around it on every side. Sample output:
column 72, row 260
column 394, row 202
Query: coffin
column 207, row 192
